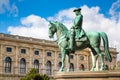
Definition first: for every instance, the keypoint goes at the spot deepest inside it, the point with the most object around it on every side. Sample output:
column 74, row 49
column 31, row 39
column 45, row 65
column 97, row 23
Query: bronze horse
column 93, row 42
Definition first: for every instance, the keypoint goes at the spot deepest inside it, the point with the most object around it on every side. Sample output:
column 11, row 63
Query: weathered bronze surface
column 77, row 39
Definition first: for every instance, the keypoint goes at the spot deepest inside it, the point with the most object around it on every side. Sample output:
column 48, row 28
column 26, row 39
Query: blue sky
column 43, row 8
column 30, row 18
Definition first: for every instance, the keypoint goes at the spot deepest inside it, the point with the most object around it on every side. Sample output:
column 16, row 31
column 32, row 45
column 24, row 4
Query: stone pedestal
column 88, row 75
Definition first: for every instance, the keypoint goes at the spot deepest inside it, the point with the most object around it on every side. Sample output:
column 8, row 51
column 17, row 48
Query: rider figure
column 76, row 30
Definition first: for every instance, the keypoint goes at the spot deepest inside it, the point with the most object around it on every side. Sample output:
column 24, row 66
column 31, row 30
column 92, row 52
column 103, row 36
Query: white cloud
column 115, row 13
column 6, row 7
column 65, row 16
column 115, row 10
column 31, row 26
column 35, row 26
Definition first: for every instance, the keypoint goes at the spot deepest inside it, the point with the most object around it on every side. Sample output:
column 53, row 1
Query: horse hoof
column 101, row 69
column 61, row 70
column 68, row 70
column 92, row 70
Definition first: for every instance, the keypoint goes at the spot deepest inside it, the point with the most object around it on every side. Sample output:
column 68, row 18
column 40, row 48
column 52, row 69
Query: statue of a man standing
column 77, row 33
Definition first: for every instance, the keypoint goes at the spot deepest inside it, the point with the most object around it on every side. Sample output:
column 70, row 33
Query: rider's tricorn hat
column 79, row 9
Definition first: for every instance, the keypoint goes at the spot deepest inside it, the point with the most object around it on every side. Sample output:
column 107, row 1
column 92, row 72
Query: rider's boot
column 71, row 46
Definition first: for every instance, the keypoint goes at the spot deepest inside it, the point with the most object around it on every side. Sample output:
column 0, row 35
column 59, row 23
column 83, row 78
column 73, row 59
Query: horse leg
column 68, row 63
column 102, row 62
column 101, row 57
column 95, row 57
column 99, row 52
column 63, row 59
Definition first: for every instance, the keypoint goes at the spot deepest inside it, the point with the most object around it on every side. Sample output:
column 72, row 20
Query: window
column 48, row 68
column 36, row 52
column 8, row 62
column 59, row 65
column 8, row 49
column 59, row 55
column 71, row 67
column 71, row 56
column 36, row 65
column 23, row 51
column 48, row 53
column 106, row 67
column 22, row 66
column 82, row 67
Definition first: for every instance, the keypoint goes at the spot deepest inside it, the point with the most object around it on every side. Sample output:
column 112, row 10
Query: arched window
column 8, row 65
column 48, row 68
column 106, row 67
column 71, row 67
column 36, row 65
column 59, row 65
column 22, row 65
column 82, row 67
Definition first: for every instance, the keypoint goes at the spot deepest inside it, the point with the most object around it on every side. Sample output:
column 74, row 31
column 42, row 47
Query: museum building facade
column 19, row 54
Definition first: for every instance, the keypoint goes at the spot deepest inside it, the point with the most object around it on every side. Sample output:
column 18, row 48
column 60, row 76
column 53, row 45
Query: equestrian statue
column 77, row 39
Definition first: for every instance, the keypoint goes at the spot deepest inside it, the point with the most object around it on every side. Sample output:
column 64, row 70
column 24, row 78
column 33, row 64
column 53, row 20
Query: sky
column 30, row 18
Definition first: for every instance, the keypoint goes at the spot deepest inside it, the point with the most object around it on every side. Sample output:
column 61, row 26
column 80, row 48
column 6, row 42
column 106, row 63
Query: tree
column 33, row 75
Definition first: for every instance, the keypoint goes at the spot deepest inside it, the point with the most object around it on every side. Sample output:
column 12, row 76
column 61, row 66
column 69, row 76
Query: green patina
column 77, row 39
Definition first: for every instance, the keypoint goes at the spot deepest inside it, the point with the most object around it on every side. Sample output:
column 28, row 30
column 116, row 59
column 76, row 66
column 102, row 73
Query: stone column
column 43, row 62
column 88, row 61
column 77, row 63
column 16, row 68
column 53, row 65
column 56, row 63
column 1, row 59
column 30, row 60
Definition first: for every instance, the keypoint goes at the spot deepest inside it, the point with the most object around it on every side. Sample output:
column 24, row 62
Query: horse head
column 58, row 28
column 52, row 29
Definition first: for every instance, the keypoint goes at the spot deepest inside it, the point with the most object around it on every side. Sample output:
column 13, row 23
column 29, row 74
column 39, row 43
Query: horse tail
column 106, row 45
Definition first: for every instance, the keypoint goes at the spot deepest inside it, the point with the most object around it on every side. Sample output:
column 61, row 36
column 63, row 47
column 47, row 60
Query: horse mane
column 59, row 24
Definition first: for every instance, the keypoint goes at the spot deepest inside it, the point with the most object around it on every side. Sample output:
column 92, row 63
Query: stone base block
column 88, row 75
column 11, row 77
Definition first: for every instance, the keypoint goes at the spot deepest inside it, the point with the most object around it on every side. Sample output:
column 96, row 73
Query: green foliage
column 32, row 75
column 37, row 77
column 44, row 77
column 23, row 79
